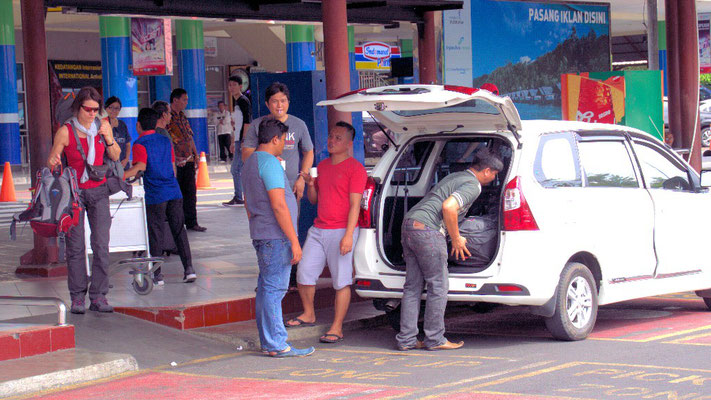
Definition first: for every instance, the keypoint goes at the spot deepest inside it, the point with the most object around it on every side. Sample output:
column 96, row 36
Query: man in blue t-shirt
column 271, row 208
column 153, row 154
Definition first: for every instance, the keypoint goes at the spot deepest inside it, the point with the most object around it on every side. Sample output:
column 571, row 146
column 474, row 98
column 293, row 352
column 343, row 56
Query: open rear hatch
column 431, row 109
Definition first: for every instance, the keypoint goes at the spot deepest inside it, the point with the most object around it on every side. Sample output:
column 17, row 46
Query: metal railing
column 369, row 79
column 38, row 301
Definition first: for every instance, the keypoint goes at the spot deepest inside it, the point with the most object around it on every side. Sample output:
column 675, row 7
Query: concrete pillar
column 191, row 63
column 652, row 36
column 335, row 33
column 10, row 147
column 683, row 76
column 38, row 116
column 356, row 117
column 116, row 57
column 300, row 48
column 160, row 88
column 426, row 48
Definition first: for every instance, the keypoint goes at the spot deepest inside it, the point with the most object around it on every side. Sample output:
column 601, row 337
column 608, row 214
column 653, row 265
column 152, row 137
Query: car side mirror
column 705, row 179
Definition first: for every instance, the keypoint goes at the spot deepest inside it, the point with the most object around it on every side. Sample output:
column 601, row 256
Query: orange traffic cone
column 7, row 191
column 203, row 178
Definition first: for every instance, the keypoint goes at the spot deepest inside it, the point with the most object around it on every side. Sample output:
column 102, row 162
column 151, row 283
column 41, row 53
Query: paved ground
column 655, row 348
column 648, row 349
column 223, row 256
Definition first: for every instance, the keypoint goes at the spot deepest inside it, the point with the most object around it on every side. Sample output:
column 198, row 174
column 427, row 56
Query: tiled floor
column 223, row 257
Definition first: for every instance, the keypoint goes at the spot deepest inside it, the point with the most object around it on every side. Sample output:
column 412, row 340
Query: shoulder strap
column 76, row 138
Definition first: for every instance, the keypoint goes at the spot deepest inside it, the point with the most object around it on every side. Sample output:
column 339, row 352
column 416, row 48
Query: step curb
column 118, row 364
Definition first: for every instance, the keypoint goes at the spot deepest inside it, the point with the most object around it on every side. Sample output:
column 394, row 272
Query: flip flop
column 296, row 322
column 330, row 338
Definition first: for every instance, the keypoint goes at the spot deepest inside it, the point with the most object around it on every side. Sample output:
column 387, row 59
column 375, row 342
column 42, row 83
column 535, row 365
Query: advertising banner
column 704, row 43
column 458, row 46
column 591, row 100
column 375, row 56
column 524, row 47
column 152, row 47
column 210, row 46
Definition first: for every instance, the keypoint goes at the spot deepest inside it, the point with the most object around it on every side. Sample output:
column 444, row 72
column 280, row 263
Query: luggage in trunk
column 481, row 234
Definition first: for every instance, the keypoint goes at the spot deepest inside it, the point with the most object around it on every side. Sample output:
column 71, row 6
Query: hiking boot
column 101, row 305
column 78, row 306
column 447, row 346
column 234, row 202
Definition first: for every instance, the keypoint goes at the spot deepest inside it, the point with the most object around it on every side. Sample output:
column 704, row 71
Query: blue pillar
column 191, row 63
column 118, row 80
column 10, row 146
column 161, row 86
column 300, row 48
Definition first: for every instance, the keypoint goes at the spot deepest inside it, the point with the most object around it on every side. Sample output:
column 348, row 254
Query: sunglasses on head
column 90, row 109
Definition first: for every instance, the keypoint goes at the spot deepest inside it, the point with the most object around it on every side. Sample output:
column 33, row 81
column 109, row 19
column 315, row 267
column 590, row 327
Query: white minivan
column 585, row 214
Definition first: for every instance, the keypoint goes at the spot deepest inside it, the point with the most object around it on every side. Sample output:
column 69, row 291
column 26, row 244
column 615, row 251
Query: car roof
column 539, row 127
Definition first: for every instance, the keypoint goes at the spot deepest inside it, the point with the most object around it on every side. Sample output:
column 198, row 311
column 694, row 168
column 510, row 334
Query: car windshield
column 474, row 106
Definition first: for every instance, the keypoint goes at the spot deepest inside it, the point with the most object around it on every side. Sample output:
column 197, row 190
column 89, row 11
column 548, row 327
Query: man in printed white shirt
column 223, row 120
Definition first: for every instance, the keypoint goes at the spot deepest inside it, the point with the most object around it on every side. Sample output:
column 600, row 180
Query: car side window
column 556, row 163
column 661, row 170
column 607, row 164
column 410, row 163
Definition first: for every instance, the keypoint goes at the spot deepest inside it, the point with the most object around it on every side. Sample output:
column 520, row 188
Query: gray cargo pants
column 95, row 202
column 425, row 253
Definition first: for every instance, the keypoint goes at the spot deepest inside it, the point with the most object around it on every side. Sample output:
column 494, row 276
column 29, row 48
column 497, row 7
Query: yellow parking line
column 411, row 354
column 505, row 380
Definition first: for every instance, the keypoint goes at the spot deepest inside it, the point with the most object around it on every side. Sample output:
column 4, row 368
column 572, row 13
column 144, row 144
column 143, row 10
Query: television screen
column 401, row 67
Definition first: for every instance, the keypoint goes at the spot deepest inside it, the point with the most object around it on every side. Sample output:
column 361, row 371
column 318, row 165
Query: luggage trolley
column 129, row 232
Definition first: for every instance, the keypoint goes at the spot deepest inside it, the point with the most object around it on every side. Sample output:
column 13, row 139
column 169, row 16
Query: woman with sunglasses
column 97, row 142
column 120, row 130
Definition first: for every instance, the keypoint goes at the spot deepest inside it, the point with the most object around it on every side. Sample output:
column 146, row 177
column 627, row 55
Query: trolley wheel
column 145, row 288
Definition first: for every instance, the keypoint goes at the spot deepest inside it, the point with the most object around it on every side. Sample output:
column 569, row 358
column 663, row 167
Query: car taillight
column 461, row 89
column 517, row 213
column 366, row 204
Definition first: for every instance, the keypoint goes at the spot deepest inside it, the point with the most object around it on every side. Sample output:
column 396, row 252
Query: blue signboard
column 524, row 47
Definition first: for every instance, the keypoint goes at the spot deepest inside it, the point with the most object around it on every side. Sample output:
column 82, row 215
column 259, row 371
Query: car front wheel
column 706, row 136
column 576, row 304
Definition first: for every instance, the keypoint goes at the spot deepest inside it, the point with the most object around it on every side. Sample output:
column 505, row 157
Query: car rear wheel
column 706, row 136
column 576, row 304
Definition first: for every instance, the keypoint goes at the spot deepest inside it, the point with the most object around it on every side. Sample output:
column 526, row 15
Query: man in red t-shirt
column 337, row 191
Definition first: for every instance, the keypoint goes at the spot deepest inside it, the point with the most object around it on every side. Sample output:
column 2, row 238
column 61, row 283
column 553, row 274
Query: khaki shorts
column 323, row 247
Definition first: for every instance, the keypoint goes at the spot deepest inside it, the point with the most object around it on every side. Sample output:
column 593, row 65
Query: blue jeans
column 274, row 259
column 425, row 253
column 236, row 170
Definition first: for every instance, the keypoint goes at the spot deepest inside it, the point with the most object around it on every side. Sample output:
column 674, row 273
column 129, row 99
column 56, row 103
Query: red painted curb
column 191, row 316
column 42, row 271
column 31, row 341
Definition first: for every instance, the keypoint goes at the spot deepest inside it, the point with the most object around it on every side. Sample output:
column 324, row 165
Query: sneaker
column 447, row 346
column 78, row 306
column 293, row 352
column 189, row 277
column 101, row 305
column 158, row 281
column 234, row 202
